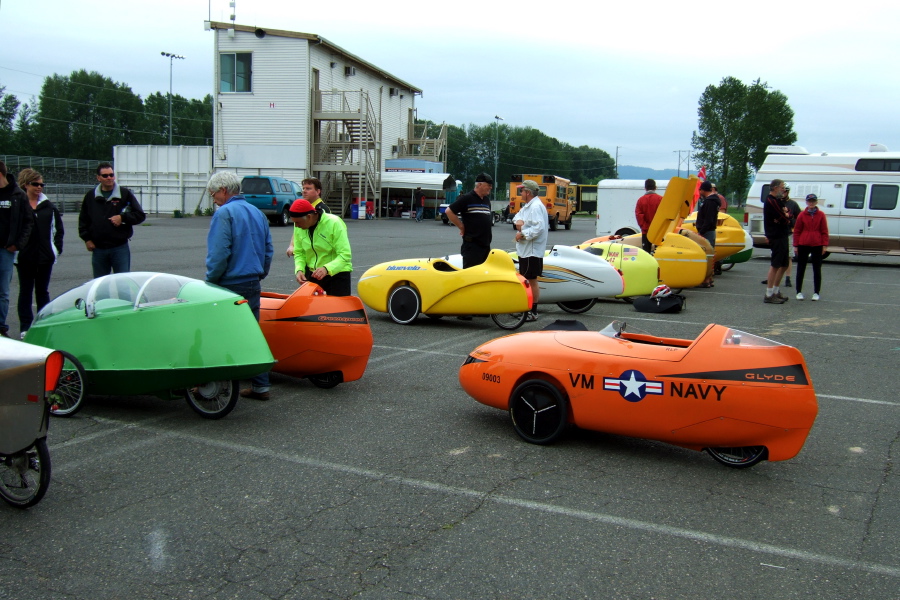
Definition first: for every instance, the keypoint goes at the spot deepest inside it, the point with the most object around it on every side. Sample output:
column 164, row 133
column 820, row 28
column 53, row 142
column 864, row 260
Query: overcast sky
column 626, row 77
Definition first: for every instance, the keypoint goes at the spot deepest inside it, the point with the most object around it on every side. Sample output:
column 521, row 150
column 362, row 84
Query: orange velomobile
column 740, row 397
column 326, row 339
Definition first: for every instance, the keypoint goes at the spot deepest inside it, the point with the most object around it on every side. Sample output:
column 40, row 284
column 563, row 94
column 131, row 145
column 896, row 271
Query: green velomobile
column 153, row 333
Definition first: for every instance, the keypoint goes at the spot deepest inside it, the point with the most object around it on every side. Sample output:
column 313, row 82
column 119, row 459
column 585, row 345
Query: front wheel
column 215, row 399
column 576, row 307
column 404, row 305
column 68, row 397
column 25, row 476
column 568, row 224
column 739, row 458
column 326, row 381
column 727, row 266
column 539, row 411
column 509, row 321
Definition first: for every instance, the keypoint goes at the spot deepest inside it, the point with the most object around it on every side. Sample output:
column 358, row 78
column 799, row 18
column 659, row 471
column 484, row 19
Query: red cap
column 301, row 207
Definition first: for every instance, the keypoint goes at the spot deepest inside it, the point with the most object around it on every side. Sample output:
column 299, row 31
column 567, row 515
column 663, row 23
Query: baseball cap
column 812, row 198
column 484, row 178
column 706, row 186
column 301, row 207
column 530, row 186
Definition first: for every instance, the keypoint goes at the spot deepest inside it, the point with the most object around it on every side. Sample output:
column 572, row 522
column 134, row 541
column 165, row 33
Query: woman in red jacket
column 810, row 241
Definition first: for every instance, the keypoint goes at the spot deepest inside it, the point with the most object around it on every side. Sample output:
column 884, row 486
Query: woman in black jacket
column 35, row 261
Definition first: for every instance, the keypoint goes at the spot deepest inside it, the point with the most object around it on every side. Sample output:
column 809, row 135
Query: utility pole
column 497, row 120
column 679, row 161
column 617, row 161
column 172, row 58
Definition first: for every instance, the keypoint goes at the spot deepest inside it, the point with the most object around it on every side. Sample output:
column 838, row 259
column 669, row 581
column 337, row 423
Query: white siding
column 165, row 178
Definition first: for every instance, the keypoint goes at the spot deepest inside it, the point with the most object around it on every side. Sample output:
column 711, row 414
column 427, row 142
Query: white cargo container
column 165, row 178
column 616, row 199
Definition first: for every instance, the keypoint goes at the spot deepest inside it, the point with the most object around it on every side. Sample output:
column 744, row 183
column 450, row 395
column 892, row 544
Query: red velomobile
column 324, row 338
column 740, row 397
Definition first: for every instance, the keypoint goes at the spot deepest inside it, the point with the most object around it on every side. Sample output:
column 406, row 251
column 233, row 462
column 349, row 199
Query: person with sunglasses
column 15, row 227
column 36, row 258
column 105, row 223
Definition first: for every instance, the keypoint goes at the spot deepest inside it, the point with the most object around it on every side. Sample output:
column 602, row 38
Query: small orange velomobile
column 760, row 406
column 326, row 339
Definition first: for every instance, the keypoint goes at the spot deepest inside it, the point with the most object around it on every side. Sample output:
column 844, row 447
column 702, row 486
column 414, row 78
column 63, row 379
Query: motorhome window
column 856, row 196
column 878, row 164
column 764, row 194
column 884, row 197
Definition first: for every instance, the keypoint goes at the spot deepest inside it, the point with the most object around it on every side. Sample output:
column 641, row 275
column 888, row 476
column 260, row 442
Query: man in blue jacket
column 239, row 252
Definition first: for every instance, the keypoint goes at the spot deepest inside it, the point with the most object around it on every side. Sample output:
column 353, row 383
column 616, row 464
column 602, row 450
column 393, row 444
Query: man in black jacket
column 105, row 222
column 16, row 221
column 777, row 223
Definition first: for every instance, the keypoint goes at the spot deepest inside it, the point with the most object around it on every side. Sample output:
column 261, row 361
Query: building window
column 234, row 72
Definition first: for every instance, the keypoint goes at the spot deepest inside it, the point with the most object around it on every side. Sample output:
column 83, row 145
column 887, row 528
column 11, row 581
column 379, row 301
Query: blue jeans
column 251, row 290
column 419, row 212
column 6, row 273
column 111, row 260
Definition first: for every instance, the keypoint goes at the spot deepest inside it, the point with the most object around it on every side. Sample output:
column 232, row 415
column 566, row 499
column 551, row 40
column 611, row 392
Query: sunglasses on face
column 36, row 184
column 107, row 175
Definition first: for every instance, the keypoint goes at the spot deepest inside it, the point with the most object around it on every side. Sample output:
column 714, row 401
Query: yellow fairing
column 491, row 287
column 729, row 234
column 674, row 207
column 683, row 259
column 639, row 270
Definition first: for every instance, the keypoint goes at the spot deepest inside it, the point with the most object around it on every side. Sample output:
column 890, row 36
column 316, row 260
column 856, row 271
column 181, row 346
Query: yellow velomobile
column 729, row 234
column 435, row 287
column 682, row 255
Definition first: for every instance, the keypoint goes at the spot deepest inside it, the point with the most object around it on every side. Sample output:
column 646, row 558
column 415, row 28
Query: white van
column 616, row 199
column 858, row 192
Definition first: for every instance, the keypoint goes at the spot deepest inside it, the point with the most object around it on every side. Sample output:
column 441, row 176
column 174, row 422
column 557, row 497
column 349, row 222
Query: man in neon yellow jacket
column 321, row 249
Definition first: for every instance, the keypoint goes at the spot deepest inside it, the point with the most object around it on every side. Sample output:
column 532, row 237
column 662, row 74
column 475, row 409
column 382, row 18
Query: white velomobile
column 572, row 279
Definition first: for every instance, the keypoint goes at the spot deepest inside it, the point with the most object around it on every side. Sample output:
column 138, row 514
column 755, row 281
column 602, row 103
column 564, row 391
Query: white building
column 296, row 105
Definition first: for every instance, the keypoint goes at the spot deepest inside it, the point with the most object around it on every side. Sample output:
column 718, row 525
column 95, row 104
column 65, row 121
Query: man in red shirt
column 646, row 210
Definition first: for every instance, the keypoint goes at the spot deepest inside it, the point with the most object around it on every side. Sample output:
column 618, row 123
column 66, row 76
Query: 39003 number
column 490, row 377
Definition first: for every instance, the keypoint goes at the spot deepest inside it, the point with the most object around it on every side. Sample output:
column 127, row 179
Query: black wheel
column 326, row 381
column 285, row 217
column 215, row 399
column 68, row 397
column 404, row 305
column 539, row 411
column 568, row 224
column 554, row 222
column 25, row 476
column 739, row 458
column 727, row 266
column 576, row 307
column 509, row 321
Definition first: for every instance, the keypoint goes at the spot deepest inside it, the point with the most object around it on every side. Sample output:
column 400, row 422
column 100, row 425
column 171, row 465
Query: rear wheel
column 539, row 411
column 739, row 458
column 25, row 476
column 285, row 217
column 727, row 266
column 509, row 321
column 404, row 305
column 326, row 381
column 554, row 222
column 577, row 307
column 213, row 400
column 68, row 397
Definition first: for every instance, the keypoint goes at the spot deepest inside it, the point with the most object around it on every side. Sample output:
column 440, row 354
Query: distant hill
column 629, row 172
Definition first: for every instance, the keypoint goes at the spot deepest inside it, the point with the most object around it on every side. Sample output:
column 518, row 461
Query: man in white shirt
column 531, row 239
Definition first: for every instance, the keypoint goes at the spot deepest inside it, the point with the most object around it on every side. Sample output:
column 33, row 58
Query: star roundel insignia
column 632, row 385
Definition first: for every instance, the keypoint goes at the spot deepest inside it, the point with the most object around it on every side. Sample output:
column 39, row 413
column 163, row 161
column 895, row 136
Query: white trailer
column 858, row 192
column 616, row 199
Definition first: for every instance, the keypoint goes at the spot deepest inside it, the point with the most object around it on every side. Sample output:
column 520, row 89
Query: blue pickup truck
column 272, row 195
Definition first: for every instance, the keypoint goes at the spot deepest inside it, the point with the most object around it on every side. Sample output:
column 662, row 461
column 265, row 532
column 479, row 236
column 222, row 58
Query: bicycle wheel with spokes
column 739, row 458
column 68, row 397
column 25, row 476
column 214, row 399
column 509, row 321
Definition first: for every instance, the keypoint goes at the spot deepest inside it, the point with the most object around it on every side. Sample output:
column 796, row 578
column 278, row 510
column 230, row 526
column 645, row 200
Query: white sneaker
column 815, row 297
column 800, row 296
column 22, row 335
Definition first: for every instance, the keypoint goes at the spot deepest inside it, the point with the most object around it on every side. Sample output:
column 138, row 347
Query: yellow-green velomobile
column 152, row 333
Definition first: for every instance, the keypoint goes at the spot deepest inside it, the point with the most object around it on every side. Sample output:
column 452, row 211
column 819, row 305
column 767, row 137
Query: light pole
column 497, row 120
column 172, row 58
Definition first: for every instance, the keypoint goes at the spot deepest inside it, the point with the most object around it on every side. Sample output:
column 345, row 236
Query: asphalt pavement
column 401, row 486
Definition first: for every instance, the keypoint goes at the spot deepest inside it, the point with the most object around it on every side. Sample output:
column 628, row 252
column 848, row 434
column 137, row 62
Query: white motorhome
column 858, row 192
column 616, row 199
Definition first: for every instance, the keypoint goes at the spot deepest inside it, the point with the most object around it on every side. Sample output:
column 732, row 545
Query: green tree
column 735, row 124
column 85, row 115
column 9, row 107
